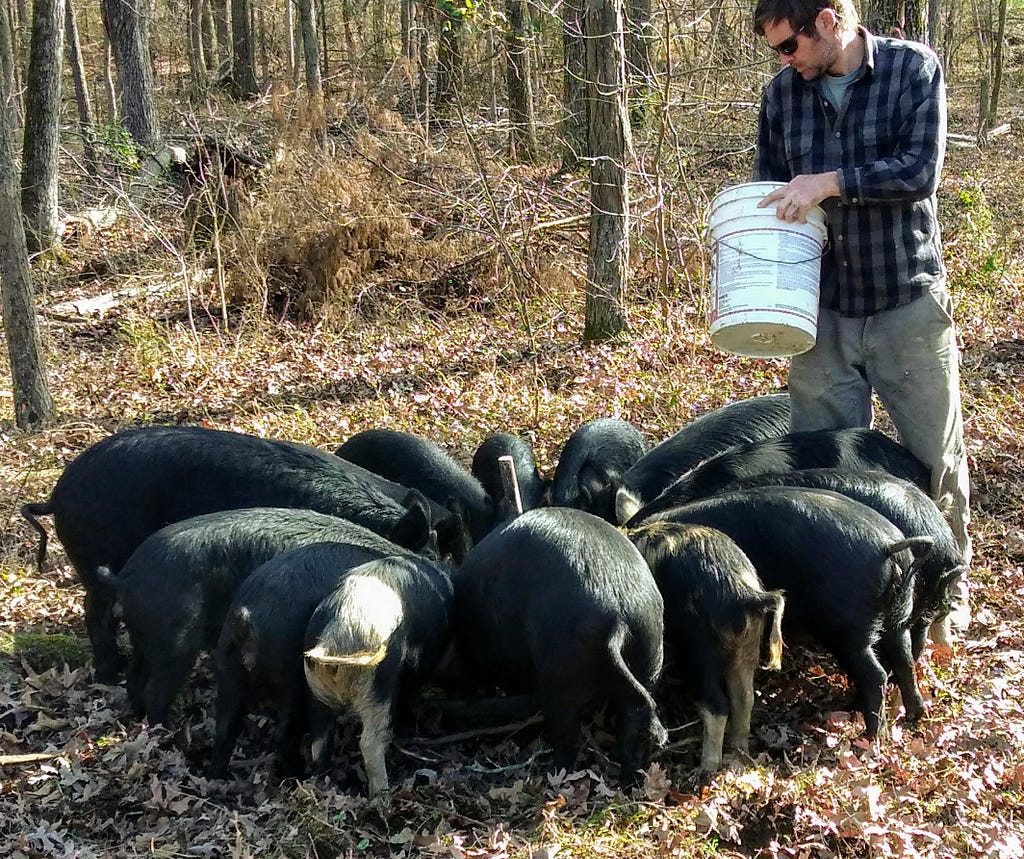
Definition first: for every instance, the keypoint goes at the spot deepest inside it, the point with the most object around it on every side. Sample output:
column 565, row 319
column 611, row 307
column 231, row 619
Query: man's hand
column 794, row 200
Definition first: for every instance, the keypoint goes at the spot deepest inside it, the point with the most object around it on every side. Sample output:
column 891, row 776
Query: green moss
column 45, row 650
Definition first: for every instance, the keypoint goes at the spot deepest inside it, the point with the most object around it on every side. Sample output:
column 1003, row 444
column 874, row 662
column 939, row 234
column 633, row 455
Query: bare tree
column 574, row 100
column 32, row 401
column 196, row 54
column 520, row 83
column 86, row 117
column 9, row 69
column 243, row 62
column 997, row 65
column 42, row 125
column 125, row 25
column 449, row 56
column 310, row 51
column 639, row 64
column 610, row 146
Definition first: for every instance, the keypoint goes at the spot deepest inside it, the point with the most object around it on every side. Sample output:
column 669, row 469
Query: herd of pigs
column 327, row 583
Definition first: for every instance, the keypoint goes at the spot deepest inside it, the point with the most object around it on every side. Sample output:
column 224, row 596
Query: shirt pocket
column 799, row 156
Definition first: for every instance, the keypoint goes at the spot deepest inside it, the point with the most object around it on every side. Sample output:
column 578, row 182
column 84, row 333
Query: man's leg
column 827, row 388
column 912, row 362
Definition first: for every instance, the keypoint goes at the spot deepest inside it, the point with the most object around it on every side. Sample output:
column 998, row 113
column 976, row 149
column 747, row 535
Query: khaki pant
column 910, row 358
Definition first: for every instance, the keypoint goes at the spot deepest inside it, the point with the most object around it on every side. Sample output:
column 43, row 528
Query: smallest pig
column 716, row 614
column 370, row 643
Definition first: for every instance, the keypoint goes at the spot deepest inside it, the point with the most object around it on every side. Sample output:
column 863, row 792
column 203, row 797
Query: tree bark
column 125, row 27
column 9, row 71
column 42, row 125
column 574, row 93
column 880, row 16
column 520, row 83
column 610, row 146
column 86, row 117
column 639, row 65
column 997, row 65
column 449, row 59
column 243, row 62
column 33, row 404
column 221, row 12
column 196, row 54
column 310, row 51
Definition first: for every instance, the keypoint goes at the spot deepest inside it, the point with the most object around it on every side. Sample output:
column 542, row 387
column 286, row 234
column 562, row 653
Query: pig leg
column 713, row 706
column 895, row 649
column 101, row 624
column 322, row 723
column 291, row 727
column 136, row 678
column 373, row 743
column 231, row 696
column 868, row 678
column 739, row 682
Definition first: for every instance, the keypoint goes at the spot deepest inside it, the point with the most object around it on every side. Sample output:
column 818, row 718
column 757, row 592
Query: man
column 857, row 124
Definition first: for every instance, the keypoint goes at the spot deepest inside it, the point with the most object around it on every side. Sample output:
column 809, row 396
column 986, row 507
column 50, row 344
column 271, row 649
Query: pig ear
column 412, row 531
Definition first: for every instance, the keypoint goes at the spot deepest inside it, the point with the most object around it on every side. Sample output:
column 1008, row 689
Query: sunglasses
column 789, row 46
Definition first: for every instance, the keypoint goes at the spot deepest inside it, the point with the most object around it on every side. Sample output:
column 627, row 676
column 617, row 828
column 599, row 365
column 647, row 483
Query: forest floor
column 369, row 291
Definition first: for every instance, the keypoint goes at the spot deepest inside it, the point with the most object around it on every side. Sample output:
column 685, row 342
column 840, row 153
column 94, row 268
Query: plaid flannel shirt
column 887, row 143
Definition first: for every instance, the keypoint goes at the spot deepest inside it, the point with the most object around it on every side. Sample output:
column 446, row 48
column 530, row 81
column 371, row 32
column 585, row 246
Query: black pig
column 847, row 572
column 120, row 490
column 374, row 639
column 532, row 486
column 592, row 463
column 260, row 651
column 417, row 462
column 175, row 589
column 909, row 509
column 752, row 419
column 848, row 449
column 560, row 602
column 716, row 615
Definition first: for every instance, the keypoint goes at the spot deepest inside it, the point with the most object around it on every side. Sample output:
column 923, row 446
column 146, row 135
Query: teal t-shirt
column 834, row 87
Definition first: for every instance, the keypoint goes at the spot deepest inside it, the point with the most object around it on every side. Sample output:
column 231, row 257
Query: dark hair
column 800, row 13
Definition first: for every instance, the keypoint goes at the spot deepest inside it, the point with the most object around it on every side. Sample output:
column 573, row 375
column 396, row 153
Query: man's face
column 805, row 49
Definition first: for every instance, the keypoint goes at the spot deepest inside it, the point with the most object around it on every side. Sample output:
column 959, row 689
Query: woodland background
column 390, row 214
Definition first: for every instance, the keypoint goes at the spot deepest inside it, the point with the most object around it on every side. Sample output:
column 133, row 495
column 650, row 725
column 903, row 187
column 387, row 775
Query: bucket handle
column 824, row 250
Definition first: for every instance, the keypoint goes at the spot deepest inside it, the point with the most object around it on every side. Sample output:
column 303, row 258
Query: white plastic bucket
column 764, row 274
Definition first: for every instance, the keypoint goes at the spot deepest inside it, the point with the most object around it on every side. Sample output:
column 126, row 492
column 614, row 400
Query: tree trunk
column 9, row 72
column 289, row 29
column 211, row 47
column 310, row 52
column 408, row 41
column 42, row 125
column 109, row 90
column 221, row 12
column 243, row 56
column 520, row 84
column 196, row 54
column 423, row 70
column 997, row 65
column 610, row 146
column 32, row 401
column 449, row 60
column 86, row 117
column 574, row 94
column 935, row 24
column 880, row 16
column 124, row 23
column 640, row 35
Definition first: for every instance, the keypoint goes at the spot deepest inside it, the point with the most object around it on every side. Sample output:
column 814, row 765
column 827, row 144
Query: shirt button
column 839, row 134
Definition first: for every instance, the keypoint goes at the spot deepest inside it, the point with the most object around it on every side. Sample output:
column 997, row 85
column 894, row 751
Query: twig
column 480, row 732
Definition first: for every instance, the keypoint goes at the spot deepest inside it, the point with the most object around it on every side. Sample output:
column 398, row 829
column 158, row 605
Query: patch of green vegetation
column 974, row 249
column 45, row 650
